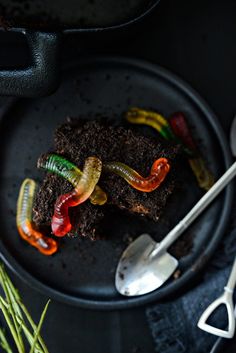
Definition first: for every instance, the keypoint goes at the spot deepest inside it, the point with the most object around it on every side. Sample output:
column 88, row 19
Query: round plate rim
column 124, row 302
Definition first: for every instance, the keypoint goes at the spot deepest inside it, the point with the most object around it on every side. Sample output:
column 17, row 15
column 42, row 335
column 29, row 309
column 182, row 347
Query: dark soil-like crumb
column 78, row 140
column 81, row 217
column 177, row 274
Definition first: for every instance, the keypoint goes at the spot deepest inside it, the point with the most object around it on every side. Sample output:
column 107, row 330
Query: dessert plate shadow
column 82, row 272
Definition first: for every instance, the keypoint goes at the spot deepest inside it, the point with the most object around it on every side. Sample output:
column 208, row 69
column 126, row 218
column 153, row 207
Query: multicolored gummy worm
column 159, row 170
column 176, row 129
column 61, row 224
column 180, row 127
column 58, row 165
column 25, row 225
column 146, row 117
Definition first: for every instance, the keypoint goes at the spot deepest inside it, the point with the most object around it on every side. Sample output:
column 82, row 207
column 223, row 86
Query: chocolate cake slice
column 78, row 139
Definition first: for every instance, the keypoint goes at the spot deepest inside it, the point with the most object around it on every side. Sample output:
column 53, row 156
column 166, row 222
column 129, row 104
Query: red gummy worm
column 61, row 224
column 181, row 129
column 160, row 169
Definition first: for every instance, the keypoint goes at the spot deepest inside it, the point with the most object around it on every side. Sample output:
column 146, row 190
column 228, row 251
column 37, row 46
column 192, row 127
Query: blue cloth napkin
column 174, row 324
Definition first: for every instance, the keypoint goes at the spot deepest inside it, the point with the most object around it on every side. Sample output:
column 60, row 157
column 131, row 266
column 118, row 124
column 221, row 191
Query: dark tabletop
column 196, row 40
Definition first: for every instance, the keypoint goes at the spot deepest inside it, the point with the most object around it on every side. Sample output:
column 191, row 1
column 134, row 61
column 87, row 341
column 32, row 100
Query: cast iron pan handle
column 41, row 77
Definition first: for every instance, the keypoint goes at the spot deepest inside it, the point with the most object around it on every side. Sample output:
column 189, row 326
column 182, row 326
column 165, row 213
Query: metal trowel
column 145, row 265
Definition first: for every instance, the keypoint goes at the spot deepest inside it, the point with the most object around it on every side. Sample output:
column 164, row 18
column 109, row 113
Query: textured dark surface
column 196, row 40
column 41, row 77
column 42, row 22
column 78, row 140
column 73, row 13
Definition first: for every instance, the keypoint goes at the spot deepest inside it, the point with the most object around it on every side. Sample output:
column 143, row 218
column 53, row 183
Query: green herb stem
column 16, row 314
column 4, row 344
column 34, row 327
column 39, row 326
column 13, row 307
column 11, row 327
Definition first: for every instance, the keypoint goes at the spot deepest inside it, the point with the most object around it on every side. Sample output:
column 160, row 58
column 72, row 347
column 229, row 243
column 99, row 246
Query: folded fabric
column 174, row 324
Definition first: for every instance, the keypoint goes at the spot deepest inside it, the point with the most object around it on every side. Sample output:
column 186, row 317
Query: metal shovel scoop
column 226, row 299
column 145, row 265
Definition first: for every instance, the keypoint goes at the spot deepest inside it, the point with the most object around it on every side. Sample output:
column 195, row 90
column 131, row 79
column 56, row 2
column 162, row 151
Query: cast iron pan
column 82, row 273
column 43, row 23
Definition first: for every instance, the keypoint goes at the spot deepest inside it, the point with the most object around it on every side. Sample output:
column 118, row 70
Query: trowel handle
column 225, row 299
column 232, row 278
column 196, row 210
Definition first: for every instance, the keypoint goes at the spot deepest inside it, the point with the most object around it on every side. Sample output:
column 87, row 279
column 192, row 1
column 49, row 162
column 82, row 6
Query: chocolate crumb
column 78, row 139
column 177, row 274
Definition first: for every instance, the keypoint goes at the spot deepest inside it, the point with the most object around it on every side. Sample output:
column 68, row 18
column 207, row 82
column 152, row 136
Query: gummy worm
column 25, row 225
column 180, row 127
column 176, row 129
column 203, row 175
column 160, row 169
column 62, row 167
column 153, row 119
column 61, row 224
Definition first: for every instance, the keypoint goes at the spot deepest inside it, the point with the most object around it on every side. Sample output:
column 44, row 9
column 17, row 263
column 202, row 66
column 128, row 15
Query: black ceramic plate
column 82, row 273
